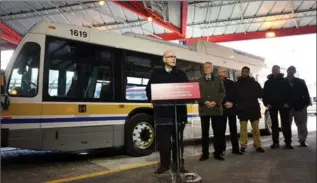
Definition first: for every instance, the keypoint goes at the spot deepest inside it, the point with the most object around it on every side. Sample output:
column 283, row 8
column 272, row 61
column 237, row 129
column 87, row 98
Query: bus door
column 24, row 78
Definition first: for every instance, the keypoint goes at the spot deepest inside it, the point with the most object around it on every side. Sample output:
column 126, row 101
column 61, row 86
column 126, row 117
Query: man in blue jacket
column 300, row 102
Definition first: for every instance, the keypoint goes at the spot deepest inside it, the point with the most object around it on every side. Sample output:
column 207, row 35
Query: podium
column 172, row 96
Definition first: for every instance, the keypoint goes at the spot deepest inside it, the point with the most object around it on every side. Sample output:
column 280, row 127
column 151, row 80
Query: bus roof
column 219, row 56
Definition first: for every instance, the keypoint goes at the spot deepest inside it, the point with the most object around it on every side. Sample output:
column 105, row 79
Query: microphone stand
column 182, row 177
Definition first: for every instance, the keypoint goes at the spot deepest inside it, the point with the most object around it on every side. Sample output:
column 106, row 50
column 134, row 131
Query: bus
column 312, row 109
column 73, row 88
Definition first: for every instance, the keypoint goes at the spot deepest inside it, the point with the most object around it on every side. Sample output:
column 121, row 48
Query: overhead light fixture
column 102, row 3
column 149, row 19
column 270, row 34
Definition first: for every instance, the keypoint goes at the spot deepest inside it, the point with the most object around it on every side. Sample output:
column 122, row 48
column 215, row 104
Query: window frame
column 182, row 61
column 13, row 67
column 153, row 58
column 47, row 64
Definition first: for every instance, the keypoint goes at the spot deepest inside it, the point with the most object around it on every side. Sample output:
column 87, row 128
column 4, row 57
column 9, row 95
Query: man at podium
column 164, row 116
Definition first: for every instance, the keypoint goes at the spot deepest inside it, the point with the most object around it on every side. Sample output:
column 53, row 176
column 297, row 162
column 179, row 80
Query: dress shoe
column 204, row 157
column 237, row 152
column 242, row 149
column 260, row 149
column 223, row 153
column 275, row 146
column 218, row 157
column 302, row 144
column 288, row 146
column 161, row 169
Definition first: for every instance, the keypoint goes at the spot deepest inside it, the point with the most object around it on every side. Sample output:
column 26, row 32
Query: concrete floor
column 273, row 166
column 41, row 167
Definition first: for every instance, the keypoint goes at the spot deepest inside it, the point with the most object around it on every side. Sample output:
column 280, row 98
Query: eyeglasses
column 171, row 56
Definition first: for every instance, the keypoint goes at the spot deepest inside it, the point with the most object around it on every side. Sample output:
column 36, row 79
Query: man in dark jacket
column 248, row 108
column 229, row 109
column 164, row 115
column 300, row 102
column 212, row 93
column 277, row 99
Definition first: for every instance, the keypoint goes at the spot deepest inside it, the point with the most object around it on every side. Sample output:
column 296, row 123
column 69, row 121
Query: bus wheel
column 268, row 122
column 139, row 135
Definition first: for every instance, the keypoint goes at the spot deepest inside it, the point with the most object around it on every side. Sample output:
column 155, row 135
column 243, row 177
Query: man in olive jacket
column 212, row 93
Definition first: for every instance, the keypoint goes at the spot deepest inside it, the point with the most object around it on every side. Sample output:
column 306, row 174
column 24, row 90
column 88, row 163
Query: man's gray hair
column 208, row 63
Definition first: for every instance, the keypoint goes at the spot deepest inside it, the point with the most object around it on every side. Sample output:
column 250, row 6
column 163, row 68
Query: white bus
column 73, row 88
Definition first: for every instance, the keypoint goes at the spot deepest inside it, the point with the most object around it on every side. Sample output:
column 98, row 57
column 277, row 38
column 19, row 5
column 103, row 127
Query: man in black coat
column 229, row 109
column 300, row 101
column 164, row 115
column 277, row 98
column 248, row 108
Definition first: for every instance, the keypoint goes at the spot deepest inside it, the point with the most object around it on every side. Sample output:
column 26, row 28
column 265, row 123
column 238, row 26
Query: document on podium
column 175, row 91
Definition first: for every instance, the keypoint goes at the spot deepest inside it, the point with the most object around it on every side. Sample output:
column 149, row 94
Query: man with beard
column 248, row 108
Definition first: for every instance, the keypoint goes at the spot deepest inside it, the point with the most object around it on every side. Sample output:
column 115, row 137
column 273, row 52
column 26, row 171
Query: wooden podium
column 175, row 94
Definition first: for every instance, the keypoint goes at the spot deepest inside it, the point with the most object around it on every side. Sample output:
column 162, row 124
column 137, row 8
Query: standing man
column 165, row 115
column 210, row 108
column 277, row 99
column 300, row 102
column 248, row 108
column 229, row 109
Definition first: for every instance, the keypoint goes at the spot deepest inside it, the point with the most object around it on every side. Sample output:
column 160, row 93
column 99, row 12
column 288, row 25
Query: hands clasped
column 228, row 105
column 210, row 104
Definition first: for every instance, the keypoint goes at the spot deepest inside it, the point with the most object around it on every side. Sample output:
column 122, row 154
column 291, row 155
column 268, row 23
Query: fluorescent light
column 270, row 34
column 101, row 3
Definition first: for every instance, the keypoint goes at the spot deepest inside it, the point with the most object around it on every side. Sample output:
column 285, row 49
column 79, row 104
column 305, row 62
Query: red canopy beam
column 184, row 17
column 9, row 39
column 177, row 33
column 9, row 34
column 138, row 8
column 255, row 35
column 7, row 46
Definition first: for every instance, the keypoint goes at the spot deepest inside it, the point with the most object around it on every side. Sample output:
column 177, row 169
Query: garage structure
column 183, row 21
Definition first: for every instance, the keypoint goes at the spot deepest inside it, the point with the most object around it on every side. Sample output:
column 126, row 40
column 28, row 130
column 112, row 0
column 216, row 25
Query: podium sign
column 175, row 91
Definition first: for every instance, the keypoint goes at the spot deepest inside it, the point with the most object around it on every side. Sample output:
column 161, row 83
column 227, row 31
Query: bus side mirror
column 4, row 99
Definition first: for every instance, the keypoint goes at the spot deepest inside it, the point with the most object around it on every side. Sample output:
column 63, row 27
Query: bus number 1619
column 78, row 33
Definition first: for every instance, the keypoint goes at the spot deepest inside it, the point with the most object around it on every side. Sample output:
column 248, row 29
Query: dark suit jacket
column 230, row 96
column 299, row 94
column 163, row 112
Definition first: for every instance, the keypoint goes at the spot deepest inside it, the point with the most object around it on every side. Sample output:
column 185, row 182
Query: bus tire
column 139, row 135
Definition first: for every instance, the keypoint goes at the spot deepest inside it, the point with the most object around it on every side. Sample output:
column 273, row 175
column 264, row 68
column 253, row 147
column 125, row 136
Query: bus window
column 230, row 74
column 215, row 70
column 237, row 74
column 192, row 69
column 138, row 69
column 77, row 71
column 24, row 76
